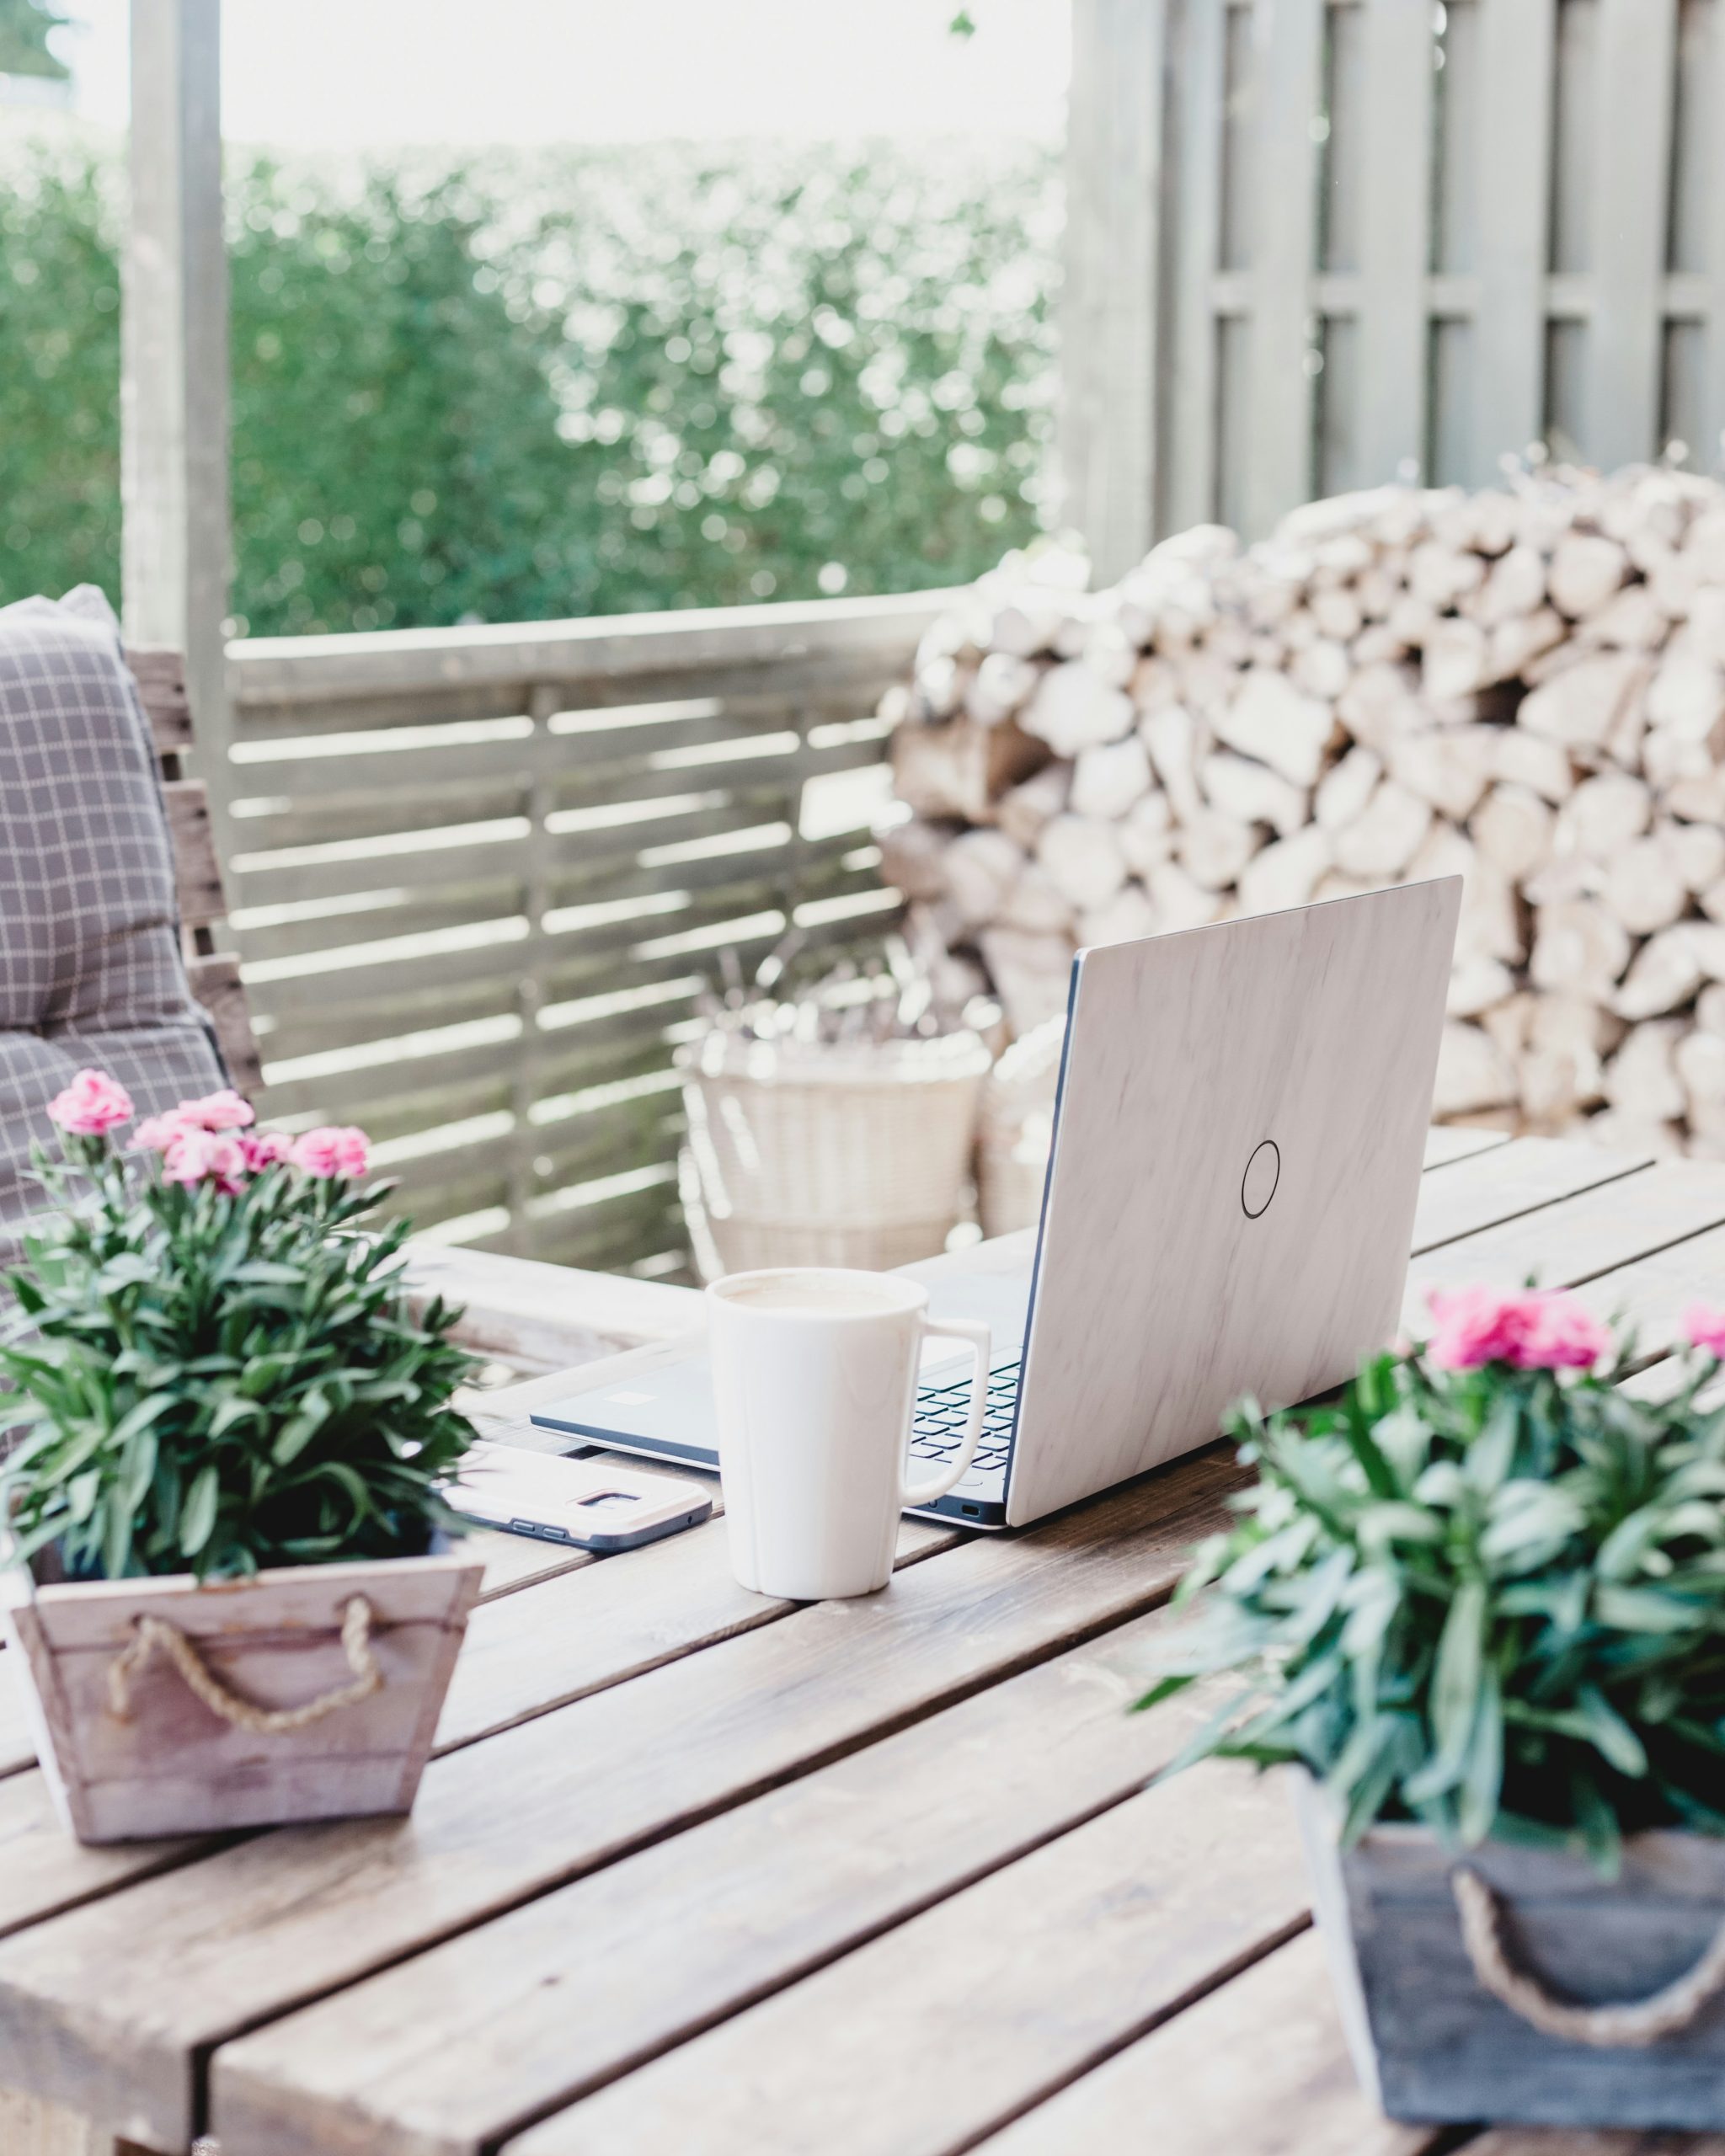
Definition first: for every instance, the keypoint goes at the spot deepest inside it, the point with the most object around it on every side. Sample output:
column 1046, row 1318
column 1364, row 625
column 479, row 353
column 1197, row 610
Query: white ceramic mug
column 815, row 1377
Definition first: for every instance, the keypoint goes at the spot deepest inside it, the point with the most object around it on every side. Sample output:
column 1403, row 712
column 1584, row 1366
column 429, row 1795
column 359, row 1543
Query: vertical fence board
column 1574, row 79
column 1240, row 88
column 1341, row 213
column 1195, row 238
column 1242, row 83
column 1234, row 420
column 1287, row 57
column 1448, row 448
column 1395, row 235
column 1711, row 137
column 1514, row 132
column 1693, row 126
column 1456, row 146
column 533, row 960
column 1340, row 464
column 1346, row 129
column 1110, row 312
column 1634, row 84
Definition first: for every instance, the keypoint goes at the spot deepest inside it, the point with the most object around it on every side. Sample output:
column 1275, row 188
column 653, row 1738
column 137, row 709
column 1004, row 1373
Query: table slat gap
column 683, row 1581
column 1490, row 1189
column 1446, row 1143
column 1181, row 2090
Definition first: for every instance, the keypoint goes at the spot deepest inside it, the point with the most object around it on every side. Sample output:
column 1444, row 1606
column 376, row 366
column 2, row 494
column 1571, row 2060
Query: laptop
column 1238, row 1138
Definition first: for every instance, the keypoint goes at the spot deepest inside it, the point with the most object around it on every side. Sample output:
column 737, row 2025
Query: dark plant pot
column 195, row 1738
column 1432, row 2043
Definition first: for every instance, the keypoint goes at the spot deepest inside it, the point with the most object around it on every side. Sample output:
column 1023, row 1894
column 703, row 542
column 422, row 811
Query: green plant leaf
column 1647, row 1609
column 1613, row 1738
column 198, row 1518
column 298, row 1430
column 1600, row 1834
column 1482, row 1770
column 1488, row 1462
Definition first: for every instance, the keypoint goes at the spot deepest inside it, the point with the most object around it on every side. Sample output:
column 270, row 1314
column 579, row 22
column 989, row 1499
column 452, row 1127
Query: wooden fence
column 476, row 875
column 1317, row 244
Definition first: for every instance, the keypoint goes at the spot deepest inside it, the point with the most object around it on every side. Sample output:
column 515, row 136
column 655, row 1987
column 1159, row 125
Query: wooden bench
column 529, row 1314
column 698, row 1872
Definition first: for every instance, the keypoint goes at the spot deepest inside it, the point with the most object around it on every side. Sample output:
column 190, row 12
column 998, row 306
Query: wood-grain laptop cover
column 1230, row 1205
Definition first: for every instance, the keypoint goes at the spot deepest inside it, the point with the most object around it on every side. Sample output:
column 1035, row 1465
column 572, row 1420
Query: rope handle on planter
column 1605, row 2028
column 154, row 1633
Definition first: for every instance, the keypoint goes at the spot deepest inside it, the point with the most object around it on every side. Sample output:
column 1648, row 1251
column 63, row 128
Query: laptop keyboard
column 938, row 1428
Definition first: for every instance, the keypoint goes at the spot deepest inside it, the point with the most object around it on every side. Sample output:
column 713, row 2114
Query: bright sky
column 347, row 73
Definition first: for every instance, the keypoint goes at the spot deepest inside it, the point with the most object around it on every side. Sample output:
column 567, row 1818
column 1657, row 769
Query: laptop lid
column 1238, row 1141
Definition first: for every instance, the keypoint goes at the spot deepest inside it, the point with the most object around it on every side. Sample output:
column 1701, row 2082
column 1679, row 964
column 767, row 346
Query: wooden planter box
column 171, row 1763
column 1431, row 2043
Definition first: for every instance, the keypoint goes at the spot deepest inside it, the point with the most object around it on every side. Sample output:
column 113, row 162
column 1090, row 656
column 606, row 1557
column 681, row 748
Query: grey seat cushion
column 90, row 969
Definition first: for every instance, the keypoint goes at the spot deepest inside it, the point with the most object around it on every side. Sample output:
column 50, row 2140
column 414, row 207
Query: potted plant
column 226, row 1590
column 1479, row 1602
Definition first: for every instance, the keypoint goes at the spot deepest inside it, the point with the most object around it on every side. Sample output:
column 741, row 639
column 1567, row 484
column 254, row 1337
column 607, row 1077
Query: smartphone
column 586, row 1504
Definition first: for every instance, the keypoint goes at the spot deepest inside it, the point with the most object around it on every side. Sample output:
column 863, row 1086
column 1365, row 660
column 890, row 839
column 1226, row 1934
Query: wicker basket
column 811, row 1153
column 1018, row 1124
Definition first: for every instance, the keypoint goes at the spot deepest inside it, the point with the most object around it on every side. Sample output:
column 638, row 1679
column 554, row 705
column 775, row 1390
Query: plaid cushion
column 90, row 969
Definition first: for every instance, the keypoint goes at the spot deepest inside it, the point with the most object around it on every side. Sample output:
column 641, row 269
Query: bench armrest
column 540, row 1316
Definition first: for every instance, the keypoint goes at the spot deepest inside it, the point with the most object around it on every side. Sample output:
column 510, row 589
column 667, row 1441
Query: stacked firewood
column 1524, row 686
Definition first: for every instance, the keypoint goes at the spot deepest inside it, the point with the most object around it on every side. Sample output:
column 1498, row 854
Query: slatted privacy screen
column 477, row 875
column 1317, row 244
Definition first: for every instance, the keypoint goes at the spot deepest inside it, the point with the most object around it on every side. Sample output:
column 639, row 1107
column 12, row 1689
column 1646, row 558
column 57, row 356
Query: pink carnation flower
column 222, row 1111
column 1567, row 1336
column 92, row 1103
column 194, row 1156
column 1705, row 1329
column 264, row 1149
column 1532, row 1329
column 157, row 1133
column 333, row 1150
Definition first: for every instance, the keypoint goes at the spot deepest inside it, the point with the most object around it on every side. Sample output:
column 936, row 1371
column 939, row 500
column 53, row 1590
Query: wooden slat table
column 698, row 1872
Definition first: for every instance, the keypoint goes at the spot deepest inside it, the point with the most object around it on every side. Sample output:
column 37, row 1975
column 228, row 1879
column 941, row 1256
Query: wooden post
column 1110, row 306
column 537, row 957
column 174, row 374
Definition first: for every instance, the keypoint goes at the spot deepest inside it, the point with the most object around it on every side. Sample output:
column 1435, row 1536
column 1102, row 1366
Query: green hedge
column 562, row 384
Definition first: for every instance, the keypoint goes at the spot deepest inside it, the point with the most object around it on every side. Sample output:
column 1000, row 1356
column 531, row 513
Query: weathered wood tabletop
column 700, row 1873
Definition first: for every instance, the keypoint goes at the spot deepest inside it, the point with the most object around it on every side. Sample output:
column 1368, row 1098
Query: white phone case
column 585, row 1504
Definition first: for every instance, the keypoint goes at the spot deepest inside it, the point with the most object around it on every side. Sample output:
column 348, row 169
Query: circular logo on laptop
column 1257, row 1186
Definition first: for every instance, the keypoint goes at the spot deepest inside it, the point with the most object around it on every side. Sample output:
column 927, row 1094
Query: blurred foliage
column 59, row 378
column 25, row 25
column 561, row 383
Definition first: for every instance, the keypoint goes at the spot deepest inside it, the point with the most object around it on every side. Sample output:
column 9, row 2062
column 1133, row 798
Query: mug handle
column 976, row 1333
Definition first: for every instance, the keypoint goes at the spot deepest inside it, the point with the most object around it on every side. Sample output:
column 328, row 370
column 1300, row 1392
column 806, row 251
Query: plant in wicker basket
column 220, row 1371
column 1485, row 1590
